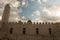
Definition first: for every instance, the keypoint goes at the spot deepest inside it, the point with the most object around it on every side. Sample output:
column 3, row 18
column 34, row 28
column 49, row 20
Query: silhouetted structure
column 6, row 14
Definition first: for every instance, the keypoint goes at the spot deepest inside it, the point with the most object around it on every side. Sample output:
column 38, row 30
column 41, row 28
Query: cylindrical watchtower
column 6, row 13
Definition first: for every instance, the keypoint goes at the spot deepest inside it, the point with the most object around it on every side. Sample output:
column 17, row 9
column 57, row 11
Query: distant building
column 27, row 30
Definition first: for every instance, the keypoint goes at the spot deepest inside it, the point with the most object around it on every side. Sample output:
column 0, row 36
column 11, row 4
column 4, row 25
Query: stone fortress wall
column 29, row 31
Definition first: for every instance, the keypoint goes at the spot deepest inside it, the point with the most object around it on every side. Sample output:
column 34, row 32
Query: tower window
column 49, row 31
column 11, row 30
column 37, row 31
column 24, row 30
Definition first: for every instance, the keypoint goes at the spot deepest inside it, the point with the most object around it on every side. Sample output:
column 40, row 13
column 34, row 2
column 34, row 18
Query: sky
column 35, row 10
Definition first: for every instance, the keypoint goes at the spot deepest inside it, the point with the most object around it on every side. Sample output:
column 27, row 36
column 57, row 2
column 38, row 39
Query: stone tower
column 5, row 19
column 6, row 13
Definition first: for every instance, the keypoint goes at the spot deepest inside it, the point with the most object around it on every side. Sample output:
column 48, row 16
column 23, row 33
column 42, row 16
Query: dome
column 29, row 21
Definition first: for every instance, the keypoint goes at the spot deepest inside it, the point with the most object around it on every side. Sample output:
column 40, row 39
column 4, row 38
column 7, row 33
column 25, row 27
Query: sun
column 0, row 18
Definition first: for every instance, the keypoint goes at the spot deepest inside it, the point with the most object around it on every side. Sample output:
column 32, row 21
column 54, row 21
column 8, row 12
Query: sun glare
column 0, row 17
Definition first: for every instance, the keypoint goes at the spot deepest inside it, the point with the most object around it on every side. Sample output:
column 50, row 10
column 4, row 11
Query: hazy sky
column 36, row 10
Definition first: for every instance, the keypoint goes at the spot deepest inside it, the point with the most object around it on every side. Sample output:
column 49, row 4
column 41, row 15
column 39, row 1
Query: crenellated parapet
column 33, row 23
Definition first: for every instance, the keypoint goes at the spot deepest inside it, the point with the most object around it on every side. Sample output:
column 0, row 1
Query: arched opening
column 37, row 31
column 49, row 31
column 11, row 30
column 24, row 31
